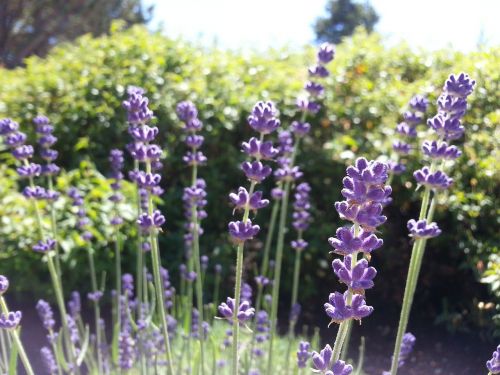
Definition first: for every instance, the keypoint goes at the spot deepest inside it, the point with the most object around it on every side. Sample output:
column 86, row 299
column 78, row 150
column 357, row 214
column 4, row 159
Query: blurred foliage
column 80, row 87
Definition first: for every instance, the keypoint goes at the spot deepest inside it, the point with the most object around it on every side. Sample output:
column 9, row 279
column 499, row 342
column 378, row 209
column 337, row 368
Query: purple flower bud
column 242, row 231
column 245, row 312
column 358, row 277
column 47, row 140
column 435, row 180
column 299, row 244
column 29, row 170
column 420, row 229
column 50, row 169
column 44, row 246
column 143, row 133
column 406, row 348
column 4, row 284
column 305, row 105
column 8, row 126
column 300, row 129
column 255, row 170
column 74, row 305
column 48, row 154
column 340, row 368
column 194, row 158
column 419, row 103
column 46, row 314
column 318, row 71
column 242, row 199
column 23, row 152
column 460, row 86
column 10, row 320
column 449, row 128
column 137, row 109
column 440, row 150
column 49, row 360
column 261, row 281
column 15, row 139
column 338, row 309
column 263, row 118
column 288, row 173
column 314, row 89
column 407, row 130
column 260, row 150
column 194, row 141
column 401, row 147
column 321, row 361
column 413, row 118
column 95, row 296
column 451, row 105
column 326, row 53
column 147, row 180
column 277, row 193
column 148, row 222
column 493, row 364
column 36, row 192
column 186, row 111
column 303, row 354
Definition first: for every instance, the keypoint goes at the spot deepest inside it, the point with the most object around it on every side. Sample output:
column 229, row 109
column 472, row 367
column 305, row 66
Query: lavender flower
column 244, row 314
column 420, row 229
column 493, row 364
column 74, row 305
column 321, row 362
column 4, row 284
column 303, row 354
column 46, row 315
column 46, row 139
column 10, row 320
column 49, row 360
column 126, row 350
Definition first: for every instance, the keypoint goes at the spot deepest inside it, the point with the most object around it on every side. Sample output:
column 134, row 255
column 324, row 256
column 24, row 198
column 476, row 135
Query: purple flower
column 286, row 144
column 23, row 152
column 46, row 314
column 321, row 361
column 288, row 172
column 401, row 147
column 194, row 141
column 440, row 150
column 493, row 364
column 406, row 130
column 186, row 111
column 242, row 231
column 10, row 320
column 44, row 246
column 449, row 128
column 95, row 296
column 460, row 86
column 49, row 360
column 147, row 180
column 340, row 368
column 420, row 229
column 303, row 354
column 74, row 305
column 277, row 193
column 29, row 170
column 346, row 243
column 318, row 71
column 261, row 281
column 435, row 180
column 299, row 244
column 314, row 88
column 300, row 129
column 8, row 126
column 241, row 200
column 406, row 348
column 419, row 103
column 35, row 192
column 126, row 350
column 305, row 105
column 137, row 108
column 245, row 312
column 263, row 118
column 255, row 170
column 15, row 139
column 4, row 284
column 339, row 310
column 148, row 222
column 357, row 277
column 194, row 158
column 259, row 150
column 326, row 53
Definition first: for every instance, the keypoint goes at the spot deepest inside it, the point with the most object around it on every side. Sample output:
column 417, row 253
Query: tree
column 32, row 27
column 341, row 19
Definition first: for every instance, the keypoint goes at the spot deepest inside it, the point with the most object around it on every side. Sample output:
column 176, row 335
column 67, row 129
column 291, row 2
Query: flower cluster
column 46, row 139
column 143, row 151
column 364, row 191
column 11, row 319
column 301, row 215
column 407, row 130
column 116, row 161
column 244, row 312
column 446, row 124
column 406, row 348
column 322, row 363
column 493, row 364
column 83, row 221
column 262, row 119
column 303, row 354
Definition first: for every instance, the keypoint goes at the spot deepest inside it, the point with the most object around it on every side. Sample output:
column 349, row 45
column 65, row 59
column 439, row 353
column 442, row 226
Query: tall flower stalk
column 194, row 201
column 446, row 126
column 150, row 222
column 263, row 120
column 306, row 104
column 364, row 191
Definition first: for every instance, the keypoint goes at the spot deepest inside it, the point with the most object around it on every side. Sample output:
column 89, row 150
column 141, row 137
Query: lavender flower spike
column 303, row 354
column 493, row 364
column 10, row 320
column 245, row 312
column 4, row 284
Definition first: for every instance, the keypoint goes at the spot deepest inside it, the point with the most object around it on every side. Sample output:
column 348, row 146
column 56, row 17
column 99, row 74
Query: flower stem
column 237, row 288
column 269, row 237
column 97, row 315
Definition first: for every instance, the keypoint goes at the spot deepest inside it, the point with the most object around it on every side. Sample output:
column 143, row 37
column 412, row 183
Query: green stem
column 140, row 253
column 237, row 288
column 417, row 254
column 345, row 346
column 53, row 224
column 97, row 315
column 277, row 274
column 17, row 341
column 3, row 348
column 118, row 276
column 269, row 237
column 361, row 357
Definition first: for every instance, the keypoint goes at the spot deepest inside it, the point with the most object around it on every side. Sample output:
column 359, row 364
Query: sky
column 431, row 24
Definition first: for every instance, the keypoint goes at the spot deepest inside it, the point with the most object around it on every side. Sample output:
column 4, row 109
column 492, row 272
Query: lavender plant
column 445, row 126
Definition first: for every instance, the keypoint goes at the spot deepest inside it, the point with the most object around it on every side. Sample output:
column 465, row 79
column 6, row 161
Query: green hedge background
column 80, row 87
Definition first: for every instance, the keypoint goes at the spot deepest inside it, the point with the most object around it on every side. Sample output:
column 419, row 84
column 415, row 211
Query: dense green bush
column 80, row 87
